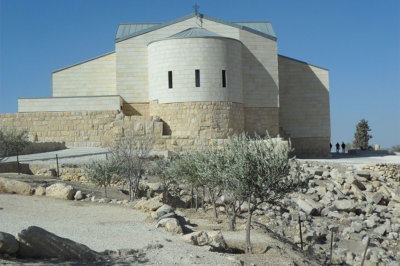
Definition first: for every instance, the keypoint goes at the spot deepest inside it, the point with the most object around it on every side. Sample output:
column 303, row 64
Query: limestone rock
column 345, row 205
column 376, row 197
column 156, row 187
column 14, row 186
column 35, row 242
column 8, row 243
column 309, row 206
column 149, row 205
column 40, row 191
column 163, row 210
column 214, row 239
column 78, row 195
column 170, row 225
column 60, row 191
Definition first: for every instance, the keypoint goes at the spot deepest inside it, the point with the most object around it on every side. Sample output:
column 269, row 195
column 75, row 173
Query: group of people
column 338, row 147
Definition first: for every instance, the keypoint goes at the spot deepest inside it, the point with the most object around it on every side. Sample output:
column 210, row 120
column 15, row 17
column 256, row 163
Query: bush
column 103, row 173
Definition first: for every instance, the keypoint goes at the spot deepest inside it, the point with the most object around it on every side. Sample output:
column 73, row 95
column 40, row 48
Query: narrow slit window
column 170, row 79
column 197, row 74
column 223, row 78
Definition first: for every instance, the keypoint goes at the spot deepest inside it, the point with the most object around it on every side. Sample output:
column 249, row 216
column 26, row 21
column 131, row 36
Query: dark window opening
column 197, row 72
column 170, row 79
column 223, row 78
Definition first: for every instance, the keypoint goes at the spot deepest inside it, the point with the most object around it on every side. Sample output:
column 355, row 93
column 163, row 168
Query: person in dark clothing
column 330, row 146
column 337, row 147
column 343, row 147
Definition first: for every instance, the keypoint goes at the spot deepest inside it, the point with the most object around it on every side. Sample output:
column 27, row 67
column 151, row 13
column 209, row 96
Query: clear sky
column 357, row 40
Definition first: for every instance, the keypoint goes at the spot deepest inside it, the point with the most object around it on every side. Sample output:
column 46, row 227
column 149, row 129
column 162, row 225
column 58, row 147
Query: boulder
column 214, row 239
column 156, row 187
column 78, row 195
column 396, row 195
column 8, row 244
column 35, row 242
column 376, row 197
column 60, row 191
column 40, row 191
column 345, row 205
column 170, row 225
column 309, row 206
column 149, row 205
column 14, row 187
column 365, row 174
column 164, row 209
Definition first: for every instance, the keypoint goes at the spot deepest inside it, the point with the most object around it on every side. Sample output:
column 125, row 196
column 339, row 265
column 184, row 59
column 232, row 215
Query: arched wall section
column 183, row 57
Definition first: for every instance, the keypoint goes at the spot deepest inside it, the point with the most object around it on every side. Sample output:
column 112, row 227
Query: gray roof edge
column 204, row 37
column 60, row 97
column 161, row 25
column 91, row 59
column 156, row 27
column 290, row 58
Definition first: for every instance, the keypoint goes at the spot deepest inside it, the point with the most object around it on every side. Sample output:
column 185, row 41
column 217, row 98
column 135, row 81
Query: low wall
column 80, row 129
column 69, row 104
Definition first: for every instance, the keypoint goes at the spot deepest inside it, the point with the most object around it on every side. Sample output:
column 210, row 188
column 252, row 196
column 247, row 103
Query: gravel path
column 102, row 226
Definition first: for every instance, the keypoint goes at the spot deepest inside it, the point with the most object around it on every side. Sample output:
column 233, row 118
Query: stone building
column 202, row 78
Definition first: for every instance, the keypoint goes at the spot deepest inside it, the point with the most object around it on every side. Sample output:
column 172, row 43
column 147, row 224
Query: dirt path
column 100, row 227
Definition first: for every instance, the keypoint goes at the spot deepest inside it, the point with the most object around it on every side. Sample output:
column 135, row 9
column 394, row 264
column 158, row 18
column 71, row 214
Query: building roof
column 193, row 33
column 129, row 30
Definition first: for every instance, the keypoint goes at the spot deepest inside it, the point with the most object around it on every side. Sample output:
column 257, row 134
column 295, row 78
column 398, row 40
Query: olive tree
column 258, row 172
column 132, row 152
column 103, row 173
column 12, row 142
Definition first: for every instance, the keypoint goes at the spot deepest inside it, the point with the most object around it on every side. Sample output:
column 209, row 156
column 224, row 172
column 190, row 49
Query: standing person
column 343, row 147
column 337, row 147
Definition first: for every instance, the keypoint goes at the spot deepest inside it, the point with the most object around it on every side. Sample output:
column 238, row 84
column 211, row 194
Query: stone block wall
column 259, row 119
column 80, row 129
column 204, row 120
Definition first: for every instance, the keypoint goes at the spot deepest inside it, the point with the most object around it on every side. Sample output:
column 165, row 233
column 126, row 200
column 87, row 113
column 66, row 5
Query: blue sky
column 358, row 41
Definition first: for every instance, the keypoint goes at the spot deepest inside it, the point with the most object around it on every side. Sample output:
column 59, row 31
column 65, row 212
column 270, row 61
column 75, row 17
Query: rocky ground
column 355, row 204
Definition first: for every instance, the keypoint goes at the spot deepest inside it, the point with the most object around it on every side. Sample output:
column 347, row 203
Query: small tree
column 12, row 142
column 361, row 137
column 132, row 152
column 260, row 172
column 103, row 172
column 162, row 169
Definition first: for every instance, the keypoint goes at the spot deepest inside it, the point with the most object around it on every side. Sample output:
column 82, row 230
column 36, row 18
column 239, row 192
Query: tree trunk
column 248, row 225
column 232, row 221
column 105, row 190
column 215, row 210
column 197, row 199
column 203, row 199
column 191, row 199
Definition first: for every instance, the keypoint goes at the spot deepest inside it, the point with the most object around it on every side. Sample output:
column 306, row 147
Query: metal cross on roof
column 196, row 7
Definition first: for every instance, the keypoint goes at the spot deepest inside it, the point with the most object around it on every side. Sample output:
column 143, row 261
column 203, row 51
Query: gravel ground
column 101, row 227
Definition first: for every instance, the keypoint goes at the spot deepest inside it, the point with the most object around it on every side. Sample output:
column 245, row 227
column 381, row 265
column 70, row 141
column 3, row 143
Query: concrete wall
column 67, row 104
column 132, row 55
column 92, row 77
column 183, row 57
column 304, row 113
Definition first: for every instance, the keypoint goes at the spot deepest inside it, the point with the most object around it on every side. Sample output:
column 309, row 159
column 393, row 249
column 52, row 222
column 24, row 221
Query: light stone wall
column 261, row 119
column 204, row 120
column 183, row 57
column 132, row 56
column 141, row 109
column 260, row 71
column 81, row 129
column 89, row 78
column 67, row 104
column 304, row 113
